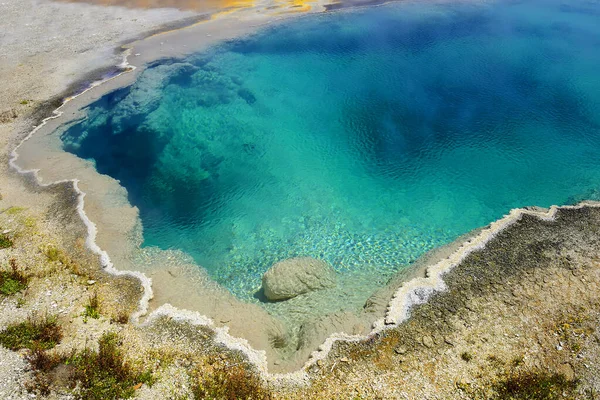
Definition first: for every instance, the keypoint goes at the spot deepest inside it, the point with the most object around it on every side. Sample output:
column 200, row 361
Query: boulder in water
column 292, row 277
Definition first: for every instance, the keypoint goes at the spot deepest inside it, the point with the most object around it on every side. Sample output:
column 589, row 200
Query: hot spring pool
column 364, row 138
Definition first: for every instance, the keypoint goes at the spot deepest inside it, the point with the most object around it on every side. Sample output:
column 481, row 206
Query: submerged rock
column 292, row 277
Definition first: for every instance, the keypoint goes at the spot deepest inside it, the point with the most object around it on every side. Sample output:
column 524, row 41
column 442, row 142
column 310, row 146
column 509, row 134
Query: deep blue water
column 364, row 138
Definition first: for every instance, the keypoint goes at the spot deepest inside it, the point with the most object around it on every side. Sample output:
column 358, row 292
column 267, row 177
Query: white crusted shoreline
column 413, row 292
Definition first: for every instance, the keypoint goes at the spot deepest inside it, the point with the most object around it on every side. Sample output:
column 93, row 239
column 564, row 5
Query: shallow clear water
column 364, row 138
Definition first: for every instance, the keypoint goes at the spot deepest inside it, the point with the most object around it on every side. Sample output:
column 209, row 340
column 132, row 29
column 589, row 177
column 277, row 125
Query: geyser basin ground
column 363, row 138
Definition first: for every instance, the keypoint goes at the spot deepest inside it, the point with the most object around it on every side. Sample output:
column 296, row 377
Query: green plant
column 12, row 281
column 53, row 253
column 534, row 385
column 104, row 374
column 228, row 382
column 466, row 356
column 92, row 308
column 147, row 377
column 34, row 333
column 5, row 242
column 14, row 210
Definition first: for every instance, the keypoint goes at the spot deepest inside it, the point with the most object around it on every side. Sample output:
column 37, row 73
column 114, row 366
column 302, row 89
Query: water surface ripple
column 363, row 138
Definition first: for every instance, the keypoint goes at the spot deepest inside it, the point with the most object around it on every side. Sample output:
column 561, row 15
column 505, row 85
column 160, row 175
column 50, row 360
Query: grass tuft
column 5, row 242
column 104, row 374
column 32, row 334
column 122, row 317
column 14, row 210
column 532, row 385
column 92, row 308
column 12, row 281
column 55, row 254
column 234, row 382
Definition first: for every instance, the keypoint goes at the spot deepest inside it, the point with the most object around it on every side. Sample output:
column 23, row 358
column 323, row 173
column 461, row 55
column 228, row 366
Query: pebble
column 427, row 341
column 91, row 282
column 400, row 350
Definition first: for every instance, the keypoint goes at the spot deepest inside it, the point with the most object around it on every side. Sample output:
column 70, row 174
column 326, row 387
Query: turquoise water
column 364, row 138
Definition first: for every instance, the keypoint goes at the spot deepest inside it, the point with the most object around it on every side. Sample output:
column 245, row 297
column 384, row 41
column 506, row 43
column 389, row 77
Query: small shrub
column 532, row 385
column 104, row 374
column 121, row 317
column 53, row 254
column 41, row 383
column 92, row 308
column 518, row 360
column 12, row 281
column 31, row 334
column 40, row 360
column 5, row 242
column 43, row 364
column 466, row 356
column 232, row 383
